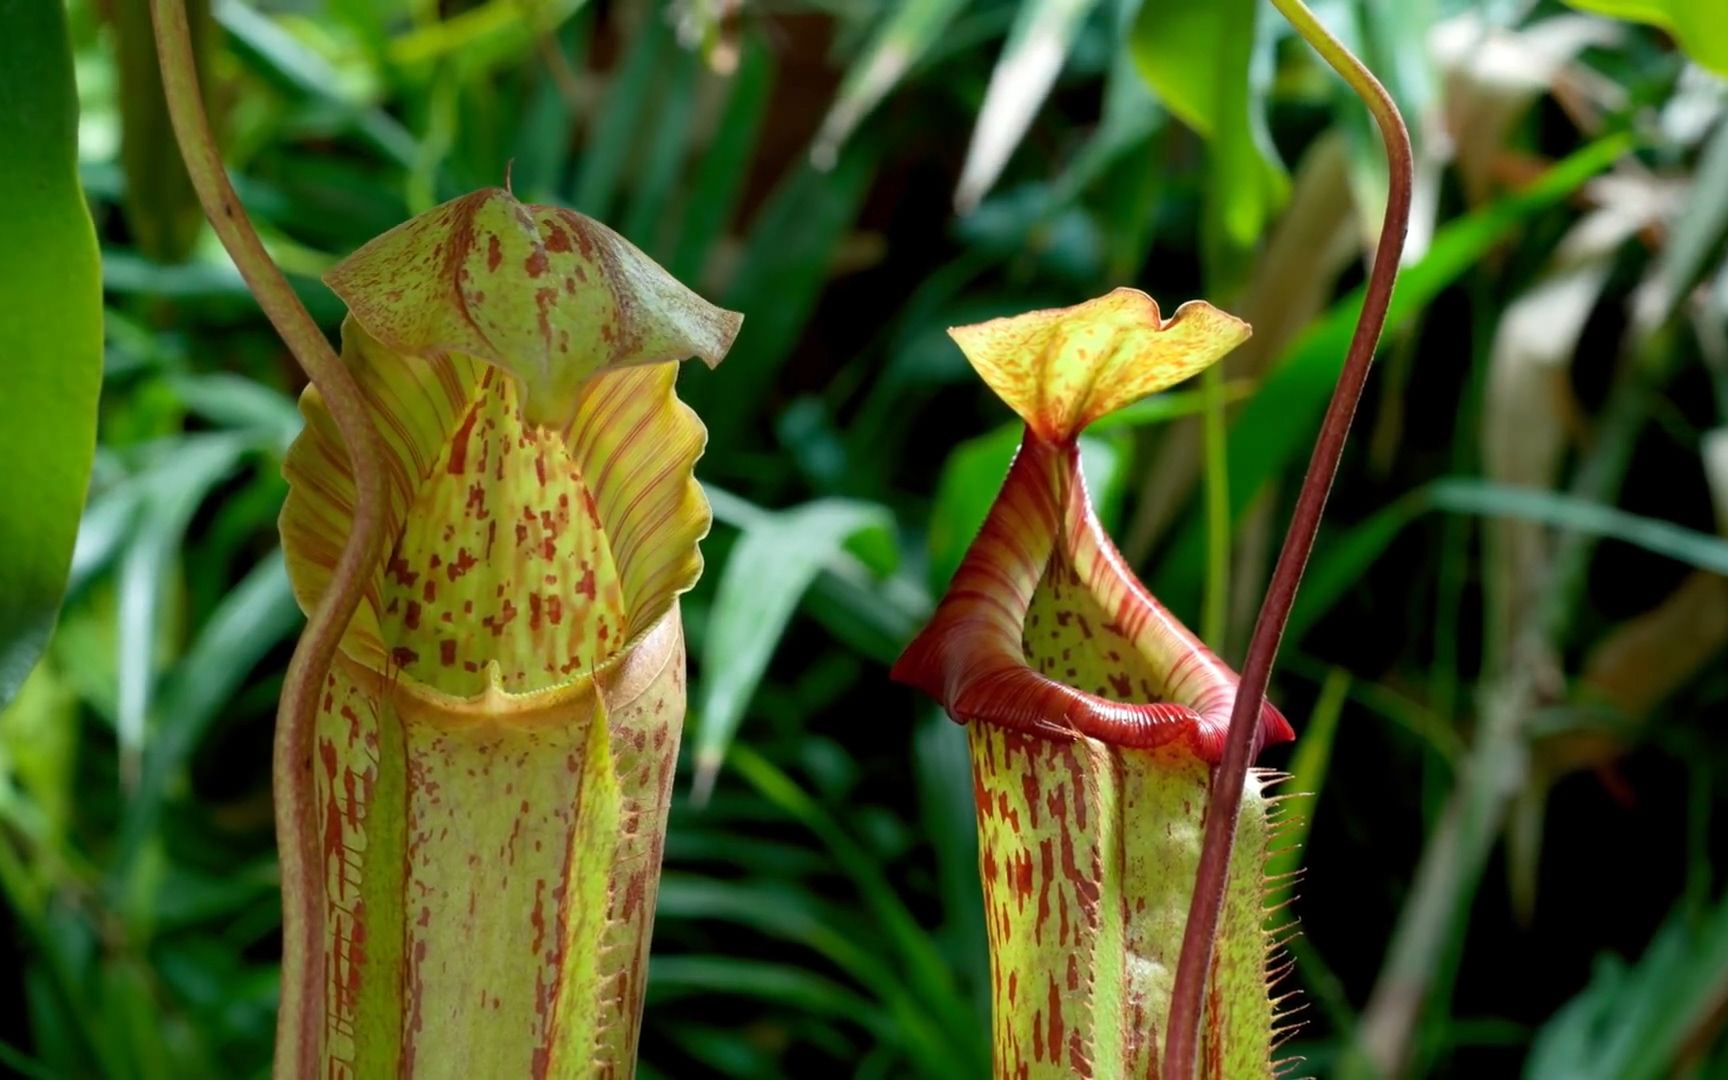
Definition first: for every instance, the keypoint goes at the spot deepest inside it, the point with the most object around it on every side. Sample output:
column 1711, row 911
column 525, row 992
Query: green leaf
column 779, row 278
column 255, row 616
column 1038, row 44
column 673, row 977
column 1701, row 26
column 172, row 491
column 1308, row 768
column 1343, row 555
column 282, row 59
column 719, row 178
column 618, row 123
column 50, row 330
column 772, row 565
column 1284, row 415
column 899, row 43
column 1196, row 54
column 914, row 955
column 161, row 208
column 1634, row 1023
column 1574, row 514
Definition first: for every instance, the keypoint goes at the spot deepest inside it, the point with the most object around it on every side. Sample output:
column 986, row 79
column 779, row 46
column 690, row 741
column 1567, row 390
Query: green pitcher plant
column 495, row 741
column 1094, row 719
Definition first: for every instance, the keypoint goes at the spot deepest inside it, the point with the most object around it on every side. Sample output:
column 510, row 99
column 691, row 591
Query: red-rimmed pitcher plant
column 1094, row 717
column 1122, row 836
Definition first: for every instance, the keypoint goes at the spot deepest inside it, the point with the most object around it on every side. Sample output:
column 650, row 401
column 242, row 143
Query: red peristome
column 972, row 656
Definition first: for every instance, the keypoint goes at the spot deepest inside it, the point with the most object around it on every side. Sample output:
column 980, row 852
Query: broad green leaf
column 773, row 563
column 50, row 330
column 1196, row 56
column 1701, row 26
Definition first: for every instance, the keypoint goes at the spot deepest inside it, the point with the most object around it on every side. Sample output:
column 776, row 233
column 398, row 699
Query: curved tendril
column 1182, row 1029
column 301, row 1015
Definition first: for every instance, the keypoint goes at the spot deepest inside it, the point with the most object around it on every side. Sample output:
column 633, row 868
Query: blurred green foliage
column 1510, row 644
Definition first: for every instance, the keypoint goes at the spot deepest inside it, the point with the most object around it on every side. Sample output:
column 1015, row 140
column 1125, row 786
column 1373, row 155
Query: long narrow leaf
column 774, row 562
column 1283, row 413
column 1038, row 44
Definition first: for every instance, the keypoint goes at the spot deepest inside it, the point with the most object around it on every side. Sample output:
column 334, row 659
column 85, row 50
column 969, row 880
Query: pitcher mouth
column 517, row 559
column 1045, row 630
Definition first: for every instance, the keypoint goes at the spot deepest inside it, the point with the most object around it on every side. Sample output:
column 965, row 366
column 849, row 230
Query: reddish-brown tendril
column 1182, row 1028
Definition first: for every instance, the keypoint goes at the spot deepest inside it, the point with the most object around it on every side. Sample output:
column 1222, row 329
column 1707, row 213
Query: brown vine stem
column 1182, row 1029
column 300, row 1020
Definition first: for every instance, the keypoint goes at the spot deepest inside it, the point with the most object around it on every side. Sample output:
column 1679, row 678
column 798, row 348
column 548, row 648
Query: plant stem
column 1182, row 1029
column 301, row 1016
column 1214, row 618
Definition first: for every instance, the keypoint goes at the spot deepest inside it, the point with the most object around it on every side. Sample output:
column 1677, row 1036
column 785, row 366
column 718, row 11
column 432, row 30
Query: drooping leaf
column 774, row 562
column 50, row 330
